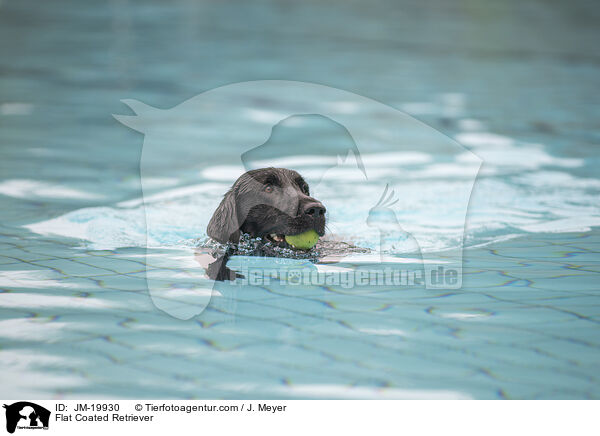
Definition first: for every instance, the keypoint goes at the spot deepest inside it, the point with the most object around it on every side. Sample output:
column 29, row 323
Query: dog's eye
column 268, row 189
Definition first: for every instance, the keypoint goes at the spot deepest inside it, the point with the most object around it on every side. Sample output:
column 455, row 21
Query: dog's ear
column 224, row 226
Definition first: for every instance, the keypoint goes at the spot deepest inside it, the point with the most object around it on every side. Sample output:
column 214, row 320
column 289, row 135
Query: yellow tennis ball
column 304, row 241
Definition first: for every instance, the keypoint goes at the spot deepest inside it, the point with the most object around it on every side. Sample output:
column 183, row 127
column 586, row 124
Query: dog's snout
column 314, row 209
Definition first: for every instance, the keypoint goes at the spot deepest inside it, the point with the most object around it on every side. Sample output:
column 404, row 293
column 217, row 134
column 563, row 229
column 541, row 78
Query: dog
column 267, row 203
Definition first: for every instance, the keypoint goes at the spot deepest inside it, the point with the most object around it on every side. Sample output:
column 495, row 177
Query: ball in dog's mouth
column 303, row 241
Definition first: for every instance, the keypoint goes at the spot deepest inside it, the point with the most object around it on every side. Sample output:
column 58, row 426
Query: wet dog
column 266, row 203
column 269, row 203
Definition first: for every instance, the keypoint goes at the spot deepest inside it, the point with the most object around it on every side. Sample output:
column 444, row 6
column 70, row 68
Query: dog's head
column 270, row 203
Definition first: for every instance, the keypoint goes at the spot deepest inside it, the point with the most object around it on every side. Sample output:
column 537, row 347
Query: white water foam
column 521, row 189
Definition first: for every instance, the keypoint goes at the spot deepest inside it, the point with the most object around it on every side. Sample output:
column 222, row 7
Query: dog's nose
column 314, row 209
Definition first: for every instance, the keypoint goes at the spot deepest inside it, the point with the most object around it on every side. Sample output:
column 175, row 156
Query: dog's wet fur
column 267, row 203
column 255, row 215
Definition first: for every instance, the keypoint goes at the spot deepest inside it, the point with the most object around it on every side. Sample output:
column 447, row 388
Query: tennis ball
column 304, row 241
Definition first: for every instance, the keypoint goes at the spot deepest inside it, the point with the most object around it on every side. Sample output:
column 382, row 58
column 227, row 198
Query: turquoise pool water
column 76, row 315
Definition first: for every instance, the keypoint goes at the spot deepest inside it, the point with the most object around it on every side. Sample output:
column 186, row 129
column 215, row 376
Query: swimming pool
column 76, row 315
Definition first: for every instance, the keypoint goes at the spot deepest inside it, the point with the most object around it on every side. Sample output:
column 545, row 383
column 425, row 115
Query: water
column 76, row 316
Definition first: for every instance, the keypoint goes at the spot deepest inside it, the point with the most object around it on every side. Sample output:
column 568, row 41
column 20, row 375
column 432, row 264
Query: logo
column 26, row 415
column 384, row 144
